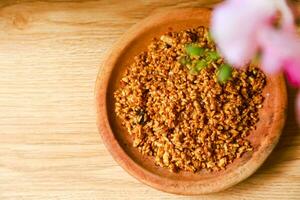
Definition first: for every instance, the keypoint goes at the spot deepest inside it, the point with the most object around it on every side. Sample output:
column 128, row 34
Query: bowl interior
column 263, row 138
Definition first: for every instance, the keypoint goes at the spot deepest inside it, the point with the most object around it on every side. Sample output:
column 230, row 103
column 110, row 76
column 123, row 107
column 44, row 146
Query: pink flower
column 242, row 27
column 235, row 27
column 292, row 71
column 281, row 49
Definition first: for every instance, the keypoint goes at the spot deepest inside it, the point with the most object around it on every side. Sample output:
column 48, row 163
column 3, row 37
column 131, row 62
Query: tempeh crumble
column 179, row 109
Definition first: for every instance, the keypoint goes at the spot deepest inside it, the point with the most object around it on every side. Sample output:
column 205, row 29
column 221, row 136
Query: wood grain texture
column 49, row 145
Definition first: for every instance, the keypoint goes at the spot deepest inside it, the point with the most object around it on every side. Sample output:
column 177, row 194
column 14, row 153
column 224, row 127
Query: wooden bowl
column 119, row 143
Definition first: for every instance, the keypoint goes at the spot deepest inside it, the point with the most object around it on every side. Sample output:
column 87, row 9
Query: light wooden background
column 50, row 53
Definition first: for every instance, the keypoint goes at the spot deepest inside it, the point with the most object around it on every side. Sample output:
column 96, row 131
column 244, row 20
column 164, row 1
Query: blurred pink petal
column 285, row 43
column 292, row 70
column 298, row 107
column 275, row 47
column 271, row 62
column 281, row 49
column 287, row 15
column 237, row 25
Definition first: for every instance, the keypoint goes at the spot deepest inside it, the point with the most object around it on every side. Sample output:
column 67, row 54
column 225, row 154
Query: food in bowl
column 180, row 107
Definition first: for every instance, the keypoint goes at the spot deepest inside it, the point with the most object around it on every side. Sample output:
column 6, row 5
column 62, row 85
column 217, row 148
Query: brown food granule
column 188, row 121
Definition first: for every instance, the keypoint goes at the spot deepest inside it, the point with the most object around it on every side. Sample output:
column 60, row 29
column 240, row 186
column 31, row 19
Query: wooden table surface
column 49, row 145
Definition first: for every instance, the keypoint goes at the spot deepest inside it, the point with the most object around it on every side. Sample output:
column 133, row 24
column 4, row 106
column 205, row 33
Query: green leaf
column 193, row 71
column 224, row 73
column 201, row 64
column 198, row 66
column 194, row 50
column 213, row 55
column 184, row 60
